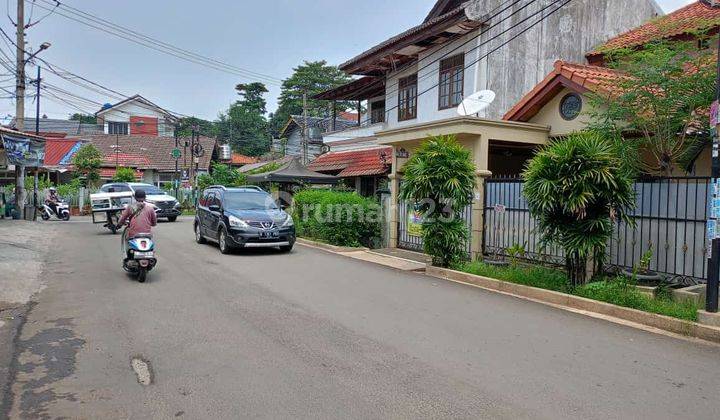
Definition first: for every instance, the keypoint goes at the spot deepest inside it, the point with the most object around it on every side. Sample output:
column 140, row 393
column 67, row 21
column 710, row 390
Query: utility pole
column 20, row 102
column 305, row 131
column 37, row 132
column 713, row 270
column 176, row 178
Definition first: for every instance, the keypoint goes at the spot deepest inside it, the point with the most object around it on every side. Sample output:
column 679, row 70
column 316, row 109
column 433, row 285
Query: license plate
column 269, row 234
column 143, row 255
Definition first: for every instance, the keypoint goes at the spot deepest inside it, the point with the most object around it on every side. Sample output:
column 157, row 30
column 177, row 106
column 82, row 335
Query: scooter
column 63, row 211
column 140, row 255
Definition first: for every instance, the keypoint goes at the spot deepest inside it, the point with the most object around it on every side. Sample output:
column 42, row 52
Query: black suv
column 242, row 217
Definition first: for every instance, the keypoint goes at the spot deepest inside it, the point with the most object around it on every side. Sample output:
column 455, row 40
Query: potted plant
column 642, row 273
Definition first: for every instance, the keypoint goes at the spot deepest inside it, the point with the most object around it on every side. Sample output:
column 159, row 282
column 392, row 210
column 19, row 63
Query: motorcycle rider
column 140, row 217
column 52, row 200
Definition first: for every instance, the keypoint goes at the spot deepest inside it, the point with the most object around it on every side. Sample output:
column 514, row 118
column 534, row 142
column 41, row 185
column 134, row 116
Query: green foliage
column 338, row 218
column 441, row 176
column 663, row 101
column 87, row 161
column 205, row 127
column 644, row 262
column 83, row 118
column 311, row 77
column 243, row 125
column 535, row 276
column 515, row 252
column 69, row 189
column 222, row 174
column 575, row 188
column 43, row 183
column 616, row 291
column 124, row 175
column 619, row 292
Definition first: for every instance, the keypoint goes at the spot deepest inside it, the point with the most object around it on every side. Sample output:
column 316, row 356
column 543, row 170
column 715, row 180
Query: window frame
column 113, row 125
column 407, row 94
column 449, row 67
column 374, row 111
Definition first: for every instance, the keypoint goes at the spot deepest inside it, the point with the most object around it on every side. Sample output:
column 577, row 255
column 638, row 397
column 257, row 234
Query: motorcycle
column 139, row 255
column 63, row 211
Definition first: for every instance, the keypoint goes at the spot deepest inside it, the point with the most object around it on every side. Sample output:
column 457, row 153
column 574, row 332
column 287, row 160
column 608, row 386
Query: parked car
column 242, row 217
column 166, row 205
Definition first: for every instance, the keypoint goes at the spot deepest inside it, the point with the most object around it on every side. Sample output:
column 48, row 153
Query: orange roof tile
column 578, row 77
column 240, row 159
column 694, row 17
column 353, row 162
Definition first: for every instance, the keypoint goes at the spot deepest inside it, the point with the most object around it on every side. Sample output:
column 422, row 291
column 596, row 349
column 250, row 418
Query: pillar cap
column 483, row 173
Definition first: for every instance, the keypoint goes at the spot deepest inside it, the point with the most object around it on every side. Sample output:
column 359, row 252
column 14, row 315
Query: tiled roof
column 239, row 159
column 109, row 173
column 349, row 116
column 129, row 160
column 323, row 123
column 694, row 17
column 157, row 150
column 580, row 77
column 354, row 162
column 54, row 127
column 56, row 149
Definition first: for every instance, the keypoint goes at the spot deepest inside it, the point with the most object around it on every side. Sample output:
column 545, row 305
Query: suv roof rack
column 246, row 187
column 216, row 186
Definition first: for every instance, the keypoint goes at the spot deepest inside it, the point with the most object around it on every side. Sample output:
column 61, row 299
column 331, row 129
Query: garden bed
column 617, row 291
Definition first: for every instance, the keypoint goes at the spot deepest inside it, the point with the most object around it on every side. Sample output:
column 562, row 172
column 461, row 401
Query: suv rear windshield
column 249, row 201
column 149, row 189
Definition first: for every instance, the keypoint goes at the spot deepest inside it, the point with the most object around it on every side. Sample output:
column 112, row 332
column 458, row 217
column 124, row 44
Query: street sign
column 176, row 153
column 499, row 208
column 185, row 175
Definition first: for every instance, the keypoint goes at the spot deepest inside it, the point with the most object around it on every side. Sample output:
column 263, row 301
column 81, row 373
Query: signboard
column 414, row 220
column 185, row 175
column 176, row 153
column 499, row 208
column 24, row 151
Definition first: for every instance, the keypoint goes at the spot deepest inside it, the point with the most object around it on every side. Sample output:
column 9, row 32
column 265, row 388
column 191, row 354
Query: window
column 570, row 106
column 117, row 128
column 249, row 201
column 450, row 88
column 377, row 112
column 407, row 98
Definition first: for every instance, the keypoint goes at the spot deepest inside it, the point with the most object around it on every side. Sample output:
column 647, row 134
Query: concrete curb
column 662, row 322
column 333, row 248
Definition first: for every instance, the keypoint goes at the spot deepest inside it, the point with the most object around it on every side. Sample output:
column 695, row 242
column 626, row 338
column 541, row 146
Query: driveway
column 315, row 335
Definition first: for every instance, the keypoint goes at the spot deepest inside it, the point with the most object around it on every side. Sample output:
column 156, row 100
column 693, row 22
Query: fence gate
column 669, row 217
column 410, row 225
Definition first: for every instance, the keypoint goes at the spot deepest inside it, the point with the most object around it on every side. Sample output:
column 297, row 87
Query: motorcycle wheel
column 44, row 216
column 113, row 229
column 66, row 216
column 142, row 273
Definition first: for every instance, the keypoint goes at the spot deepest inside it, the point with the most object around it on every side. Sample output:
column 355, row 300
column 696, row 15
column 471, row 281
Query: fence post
column 81, row 200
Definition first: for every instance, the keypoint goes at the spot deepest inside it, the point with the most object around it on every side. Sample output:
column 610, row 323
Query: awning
column 294, row 173
column 358, row 90
column 354, row 163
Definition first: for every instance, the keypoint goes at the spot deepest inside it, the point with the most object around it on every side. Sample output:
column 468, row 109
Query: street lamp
column 44, row 46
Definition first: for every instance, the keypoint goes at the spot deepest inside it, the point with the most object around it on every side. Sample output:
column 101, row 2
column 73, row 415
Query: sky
column 268, row 37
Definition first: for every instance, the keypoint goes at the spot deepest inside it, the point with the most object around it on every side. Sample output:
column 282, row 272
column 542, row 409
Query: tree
column 124, row 175
column 311, row 77
column 575, row 188
column 222, row 174
column 87, row 161
column 440, row 176
column 83, row 118
column 205, row 127
column 661, row 102
column 244, row 125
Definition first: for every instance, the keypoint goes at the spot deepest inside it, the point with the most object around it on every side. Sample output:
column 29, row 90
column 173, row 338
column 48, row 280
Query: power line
column 111, row 28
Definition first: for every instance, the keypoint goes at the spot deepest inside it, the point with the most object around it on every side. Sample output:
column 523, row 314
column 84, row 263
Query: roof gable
column 441, row 7
column 140, row 100
column 579, row 78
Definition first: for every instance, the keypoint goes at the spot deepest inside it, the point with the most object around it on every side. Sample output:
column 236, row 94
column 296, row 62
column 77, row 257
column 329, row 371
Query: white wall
column 122, row 113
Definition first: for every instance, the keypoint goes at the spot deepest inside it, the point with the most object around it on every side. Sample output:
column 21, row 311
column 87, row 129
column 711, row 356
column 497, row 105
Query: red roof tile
column 129, row 160
column 577, row 77
column 56, row 149
column 349, row 116
column 109, row 173
column 694, row 17
column 239, row 159
column 353, row 162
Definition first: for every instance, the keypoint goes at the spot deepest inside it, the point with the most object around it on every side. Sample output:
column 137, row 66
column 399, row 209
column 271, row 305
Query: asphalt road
column 314, row 335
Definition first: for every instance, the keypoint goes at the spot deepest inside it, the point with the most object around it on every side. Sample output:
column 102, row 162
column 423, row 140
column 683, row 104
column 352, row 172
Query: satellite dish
column 476, row 102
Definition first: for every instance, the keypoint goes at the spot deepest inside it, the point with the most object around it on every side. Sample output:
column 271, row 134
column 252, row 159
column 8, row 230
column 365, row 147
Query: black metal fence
column 670, row 218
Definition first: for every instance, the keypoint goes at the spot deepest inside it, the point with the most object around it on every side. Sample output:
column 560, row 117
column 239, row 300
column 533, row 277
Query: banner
column 415, row 220
column 24, row 151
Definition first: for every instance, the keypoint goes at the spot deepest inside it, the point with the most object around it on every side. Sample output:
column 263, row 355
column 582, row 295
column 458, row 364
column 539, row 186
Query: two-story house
column 413, row 82
column 136, row 116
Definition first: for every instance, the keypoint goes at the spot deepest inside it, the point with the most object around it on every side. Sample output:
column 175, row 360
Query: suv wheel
column 198, row 236
column 223, row 242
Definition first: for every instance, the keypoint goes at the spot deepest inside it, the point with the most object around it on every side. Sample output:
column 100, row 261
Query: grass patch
column 618, row 291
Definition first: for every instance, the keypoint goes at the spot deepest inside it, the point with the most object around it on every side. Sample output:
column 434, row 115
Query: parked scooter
column 63, row 211
column 139, row 254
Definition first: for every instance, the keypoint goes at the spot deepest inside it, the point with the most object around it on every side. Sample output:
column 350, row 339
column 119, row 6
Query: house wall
column 122, row 113
column 517, row 67
column 294, row 145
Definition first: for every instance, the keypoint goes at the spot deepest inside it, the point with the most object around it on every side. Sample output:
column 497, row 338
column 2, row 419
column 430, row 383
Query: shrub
column 335, row 217
column 575, row 187
column 124, row 175
column 441, row 177
column 542, row 277
column 88, row 160
column 221, row 174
